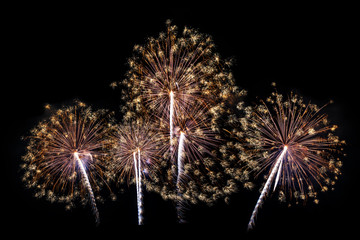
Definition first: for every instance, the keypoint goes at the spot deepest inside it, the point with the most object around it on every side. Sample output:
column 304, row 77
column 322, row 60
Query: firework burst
column 67, row 156
column 193, row 141
column 169, row 77
column 136, row 155
column 200, row 167
column 294, row 146
column 192, row 133
column 173, row 73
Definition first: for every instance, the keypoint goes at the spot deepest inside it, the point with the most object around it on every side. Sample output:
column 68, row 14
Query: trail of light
column 180, row 170
column 137, row 167
column 136, row 173
column 278, row 173
column 180, row 153
column 171, row 117
column 88, row 186
column 139, row 195
column 266, row 187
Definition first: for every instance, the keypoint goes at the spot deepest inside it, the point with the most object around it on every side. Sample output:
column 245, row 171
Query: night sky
column 57, row 54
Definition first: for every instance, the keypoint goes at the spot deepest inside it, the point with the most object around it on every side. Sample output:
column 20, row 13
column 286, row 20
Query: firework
column 171, row 117
column 193, row 141
column 136, row 154
column 192, row 135
column 67, row 155
column 197, row 170
column 295, row 145
column 169, row 77
column 172, row 73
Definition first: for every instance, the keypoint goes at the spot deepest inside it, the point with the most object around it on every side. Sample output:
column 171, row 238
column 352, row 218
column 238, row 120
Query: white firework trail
column 278, row 172
column 171, row 117
column 179, row 174
column 140, row 197
column 88, row 186
column 275, row 171
column 136, row 172
column 137, row 165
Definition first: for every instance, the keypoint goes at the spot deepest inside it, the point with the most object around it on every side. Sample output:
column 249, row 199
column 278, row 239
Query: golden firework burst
column 67, row 155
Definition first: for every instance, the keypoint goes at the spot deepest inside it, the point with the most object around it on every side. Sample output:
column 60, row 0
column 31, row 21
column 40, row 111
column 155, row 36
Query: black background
column 54, row 54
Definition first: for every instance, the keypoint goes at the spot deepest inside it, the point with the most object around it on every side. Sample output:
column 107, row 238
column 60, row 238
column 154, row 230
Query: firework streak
column 179, row 175
column 137, row 166
column 88, row 185
column 171, row 118
column 276, row 168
